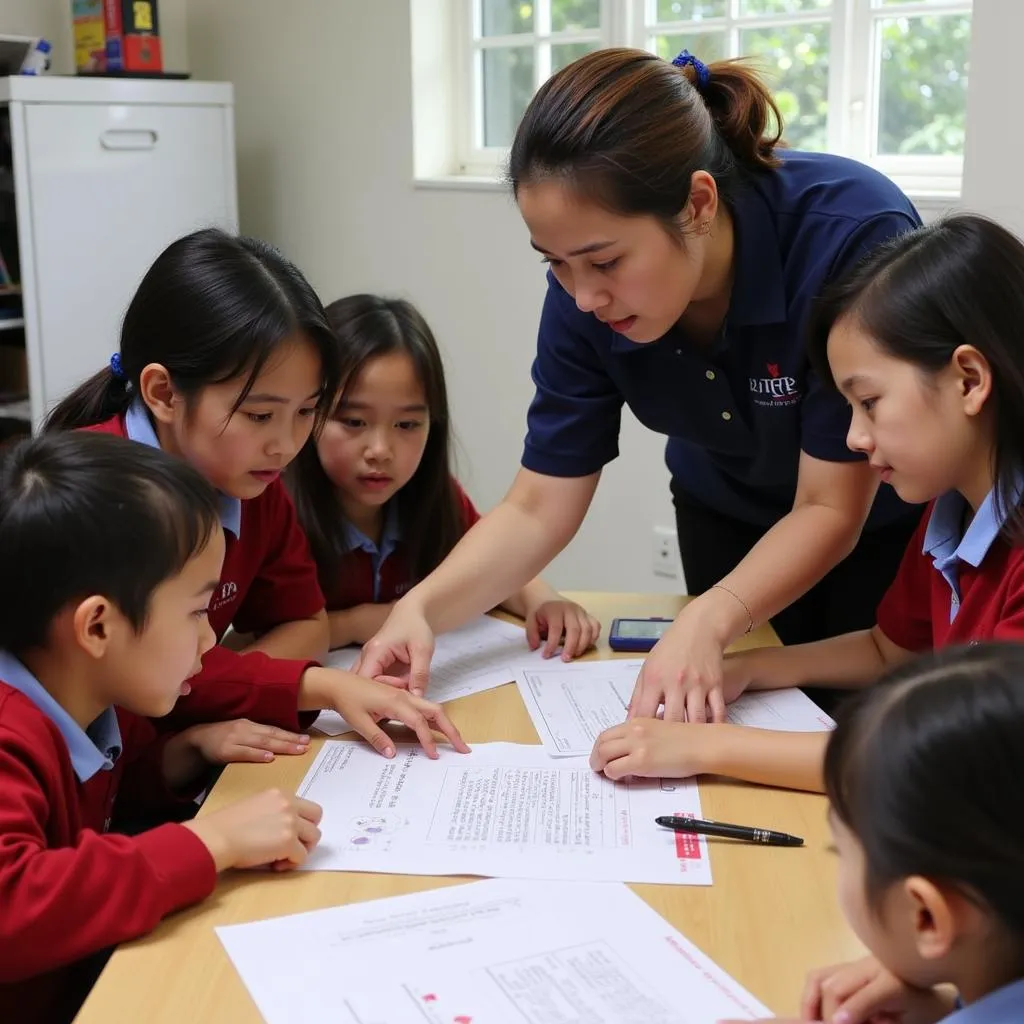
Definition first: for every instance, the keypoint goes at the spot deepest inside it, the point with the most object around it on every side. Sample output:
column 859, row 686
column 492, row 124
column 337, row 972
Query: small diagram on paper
column 375, row 830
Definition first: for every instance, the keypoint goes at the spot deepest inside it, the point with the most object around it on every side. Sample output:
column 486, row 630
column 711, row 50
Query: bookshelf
column 15, row 407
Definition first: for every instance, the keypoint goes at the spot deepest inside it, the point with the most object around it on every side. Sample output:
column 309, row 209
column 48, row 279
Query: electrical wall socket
column 665, row 553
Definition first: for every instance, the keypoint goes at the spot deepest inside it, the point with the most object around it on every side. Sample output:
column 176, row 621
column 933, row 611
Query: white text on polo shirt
column 227, row 593
column 775, row 389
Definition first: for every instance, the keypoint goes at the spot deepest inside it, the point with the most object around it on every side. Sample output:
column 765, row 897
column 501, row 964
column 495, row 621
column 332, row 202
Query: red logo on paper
column 430, row 998
column 687, row 843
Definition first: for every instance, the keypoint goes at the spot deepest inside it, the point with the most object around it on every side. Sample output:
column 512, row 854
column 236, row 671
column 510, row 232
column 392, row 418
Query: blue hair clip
column 699, row 67
column 115, row 366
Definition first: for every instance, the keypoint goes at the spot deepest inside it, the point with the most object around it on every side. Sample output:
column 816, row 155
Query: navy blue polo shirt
column 736, row 415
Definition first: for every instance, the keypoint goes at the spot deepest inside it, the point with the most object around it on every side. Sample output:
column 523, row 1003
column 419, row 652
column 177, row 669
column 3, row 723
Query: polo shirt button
column 710, row 374
column 727, row 415
column 679, row 351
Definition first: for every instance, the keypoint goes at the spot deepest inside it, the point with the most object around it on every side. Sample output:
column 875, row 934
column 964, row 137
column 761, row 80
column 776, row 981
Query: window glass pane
column 922, row 104
column 504, row 17
column 708, row 46
column 563, row 54
column 508, row 87
column 794, row 59
column 575, row 14
column 691, row 10
column 749, row 7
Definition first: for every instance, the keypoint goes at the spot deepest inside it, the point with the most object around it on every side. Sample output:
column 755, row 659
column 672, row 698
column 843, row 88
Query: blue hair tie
column 700, row 68
column 115, row 366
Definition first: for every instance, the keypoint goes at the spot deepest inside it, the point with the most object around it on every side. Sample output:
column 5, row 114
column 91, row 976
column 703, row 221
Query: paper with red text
column 492, row 952
column 505, row 810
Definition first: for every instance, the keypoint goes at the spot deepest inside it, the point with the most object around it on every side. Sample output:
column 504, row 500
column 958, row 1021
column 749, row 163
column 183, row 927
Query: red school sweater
column 351, row 582
column 68, row 889
column 268, row 577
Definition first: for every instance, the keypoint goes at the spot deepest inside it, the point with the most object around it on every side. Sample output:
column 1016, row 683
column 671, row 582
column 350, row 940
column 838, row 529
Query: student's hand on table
column 364, row 703
column 652, row 748
column 400, row 652
column 684, row 672
column 865, row 992
column 242, row 740
column 272, row 828
column 551, row 620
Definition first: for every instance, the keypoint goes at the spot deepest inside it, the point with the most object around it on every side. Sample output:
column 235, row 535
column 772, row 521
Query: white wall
column 51, row 19
column 994, row 151
column 324, row 129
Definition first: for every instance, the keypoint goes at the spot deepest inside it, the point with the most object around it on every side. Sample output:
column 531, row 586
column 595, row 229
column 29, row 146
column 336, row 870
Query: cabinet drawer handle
column 128, row 138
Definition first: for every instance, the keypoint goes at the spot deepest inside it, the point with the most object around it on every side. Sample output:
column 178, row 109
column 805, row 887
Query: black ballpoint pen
column 720, row 828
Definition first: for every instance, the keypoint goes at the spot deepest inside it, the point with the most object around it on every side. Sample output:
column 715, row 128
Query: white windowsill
column 460, row 183
column 926, row 202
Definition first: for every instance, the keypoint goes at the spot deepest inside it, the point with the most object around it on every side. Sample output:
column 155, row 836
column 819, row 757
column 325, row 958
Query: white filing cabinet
column 106, row 173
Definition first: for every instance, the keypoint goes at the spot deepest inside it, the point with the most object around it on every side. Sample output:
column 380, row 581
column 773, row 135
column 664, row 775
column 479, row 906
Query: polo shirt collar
column 389, row 538
column 91, row 750
column 759, row 290
column 945, row 540
column 138, row 427
column 1004, row 1006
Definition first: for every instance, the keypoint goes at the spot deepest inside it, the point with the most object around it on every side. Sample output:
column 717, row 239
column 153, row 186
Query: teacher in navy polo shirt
column 685, row 250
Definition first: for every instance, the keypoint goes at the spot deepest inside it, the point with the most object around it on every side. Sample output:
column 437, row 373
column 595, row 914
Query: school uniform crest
column 776, row 389
column 227, row 593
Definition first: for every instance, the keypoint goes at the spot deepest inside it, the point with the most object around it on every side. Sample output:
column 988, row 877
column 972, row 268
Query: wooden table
column 770, row 915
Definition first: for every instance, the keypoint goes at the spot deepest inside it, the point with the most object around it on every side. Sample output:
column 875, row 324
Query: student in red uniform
column 227, row 361
column 376, row 495
column 923, row 777
column 924, row 341
column 110, row 553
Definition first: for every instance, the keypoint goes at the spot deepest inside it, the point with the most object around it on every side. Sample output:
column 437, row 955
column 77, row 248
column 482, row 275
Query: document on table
column 572, row 704
column 492, row 952
column 505, row 810
column 484, row 653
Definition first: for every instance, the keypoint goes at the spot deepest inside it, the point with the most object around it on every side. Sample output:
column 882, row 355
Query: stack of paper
column 505, row 810
column 494, row 952
column 571, row 705
column 481, row 655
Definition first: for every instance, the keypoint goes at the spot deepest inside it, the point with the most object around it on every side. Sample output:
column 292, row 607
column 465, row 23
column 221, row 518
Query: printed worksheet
column 572, row 705
column 484, row 653
column 491, row 952
column 505, row 810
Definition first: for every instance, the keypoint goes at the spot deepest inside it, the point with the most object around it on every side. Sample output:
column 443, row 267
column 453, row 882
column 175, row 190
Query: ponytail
column 745, row 114
column 628, row 130
column 102, row 396
column 212, row 308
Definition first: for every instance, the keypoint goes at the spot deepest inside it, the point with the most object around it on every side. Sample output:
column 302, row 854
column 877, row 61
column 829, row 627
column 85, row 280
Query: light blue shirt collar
column 948, row 544
column 92, row 750
column 1004, row 1006
column 138, row 427
column 379, row 553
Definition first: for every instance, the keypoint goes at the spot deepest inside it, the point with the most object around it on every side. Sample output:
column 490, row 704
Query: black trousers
column 711, row 545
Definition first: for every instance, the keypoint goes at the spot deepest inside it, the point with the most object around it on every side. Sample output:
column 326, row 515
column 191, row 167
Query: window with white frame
column 884, row 81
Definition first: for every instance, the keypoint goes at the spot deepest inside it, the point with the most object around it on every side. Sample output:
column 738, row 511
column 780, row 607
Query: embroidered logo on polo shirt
column 776, row 389
column 227, row 593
